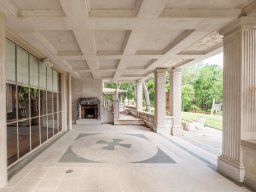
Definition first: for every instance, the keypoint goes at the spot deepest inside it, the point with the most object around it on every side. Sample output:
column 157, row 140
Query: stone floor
column 106, row 158
column 209, row 139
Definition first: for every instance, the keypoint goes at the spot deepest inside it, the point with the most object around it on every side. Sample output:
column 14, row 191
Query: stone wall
column 85, row 88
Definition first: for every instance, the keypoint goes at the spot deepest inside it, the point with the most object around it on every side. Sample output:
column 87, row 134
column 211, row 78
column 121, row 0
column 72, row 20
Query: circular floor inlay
column 114, row 148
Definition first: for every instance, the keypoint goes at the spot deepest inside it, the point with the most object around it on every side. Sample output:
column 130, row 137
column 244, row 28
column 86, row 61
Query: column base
column 177, row 130
column 161, row 129
column 230, row 169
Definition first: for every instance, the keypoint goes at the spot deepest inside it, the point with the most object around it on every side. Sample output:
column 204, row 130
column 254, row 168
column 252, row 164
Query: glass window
column 35, row 133
column 49, row 79
column 23, row 102
column 24, row 137
column 10, row 61
column 50, row 126
column 55, row 102
column 34, row 102
column 43, row 128
column 55, row 80
column 59, row 101
column 22, row 66
column 60, row 121
column 12, row 151
column 56, row 127
column 49, row 102
column 42, row 102
column 33, row 71
column 42, row 75
column 11, row 102
column 59, row 82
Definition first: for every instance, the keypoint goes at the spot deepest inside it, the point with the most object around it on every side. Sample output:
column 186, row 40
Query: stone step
column 129, row 122
column 88, row 122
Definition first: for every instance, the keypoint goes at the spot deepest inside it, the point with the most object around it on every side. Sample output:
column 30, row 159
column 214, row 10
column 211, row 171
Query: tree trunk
column 146, row 94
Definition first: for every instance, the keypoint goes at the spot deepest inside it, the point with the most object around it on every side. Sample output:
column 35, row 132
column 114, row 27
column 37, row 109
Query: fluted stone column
column 160, row 101
column 3, row 134
column 69, row 101
column 139, row 96
column 175, row 100
column 239, row 113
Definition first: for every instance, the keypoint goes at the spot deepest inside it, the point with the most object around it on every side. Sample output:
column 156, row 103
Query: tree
column 188, row 96
column 208, row 86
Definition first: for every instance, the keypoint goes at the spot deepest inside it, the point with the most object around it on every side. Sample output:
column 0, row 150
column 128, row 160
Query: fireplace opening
column 89, row 112
column 89, row 108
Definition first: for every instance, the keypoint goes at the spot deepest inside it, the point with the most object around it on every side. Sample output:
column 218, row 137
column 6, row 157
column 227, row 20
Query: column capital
column 139, row 81
column 175, row 71
column 160, row 70
column 242, row 23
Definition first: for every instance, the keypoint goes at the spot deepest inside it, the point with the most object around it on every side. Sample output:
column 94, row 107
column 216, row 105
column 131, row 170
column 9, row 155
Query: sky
column 217, row 59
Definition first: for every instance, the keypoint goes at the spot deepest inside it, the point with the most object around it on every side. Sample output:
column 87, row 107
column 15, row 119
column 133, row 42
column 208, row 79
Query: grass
column 214, row 121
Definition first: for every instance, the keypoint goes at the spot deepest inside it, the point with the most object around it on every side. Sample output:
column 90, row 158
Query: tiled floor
column 106, row 158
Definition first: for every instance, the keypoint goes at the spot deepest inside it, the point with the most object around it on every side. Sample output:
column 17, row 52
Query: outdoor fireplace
column 89, row 108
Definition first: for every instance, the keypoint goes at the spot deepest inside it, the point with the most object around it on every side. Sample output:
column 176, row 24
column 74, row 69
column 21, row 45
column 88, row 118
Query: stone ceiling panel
column 62, row 40
column 109, row 64
column 38, row 4
column 205, row 45
column 157, row 41
column 108, row 75
column 134, row 64
column 78, row 64
column 113, row 4
column 111, row 41
column 205, row 4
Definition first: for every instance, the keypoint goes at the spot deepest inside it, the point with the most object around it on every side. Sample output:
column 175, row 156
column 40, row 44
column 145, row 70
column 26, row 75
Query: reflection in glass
column 33, row 71
column 34, row 102
column 59, row 101
column 23, row 102
column 50, row 126
column 42, row 75
column 56, row 127
column 22, row 66
column 54, row 102
column 49, row 102
column 24, row 137
column 12, row 143
column 10, row 61
column 11, row 102
column 35, row 133
column 60, row 122
column 42, row 102
column 55, row 80
column 43, row 127
column 59, row 81
column 49, row 79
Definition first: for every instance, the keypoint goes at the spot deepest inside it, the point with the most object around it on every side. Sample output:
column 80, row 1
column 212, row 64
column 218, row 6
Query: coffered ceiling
column 122, row 40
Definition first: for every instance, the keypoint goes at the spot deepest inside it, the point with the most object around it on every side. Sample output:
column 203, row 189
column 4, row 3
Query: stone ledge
column 249, row 143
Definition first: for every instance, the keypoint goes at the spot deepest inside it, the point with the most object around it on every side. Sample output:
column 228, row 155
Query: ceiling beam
column 201, row 13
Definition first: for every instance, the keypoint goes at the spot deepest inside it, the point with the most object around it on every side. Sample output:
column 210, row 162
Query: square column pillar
column 239, row 112
column 139, row 96
column 160, row 101
column 3, row 131
column 64, row 101
column 175, row 100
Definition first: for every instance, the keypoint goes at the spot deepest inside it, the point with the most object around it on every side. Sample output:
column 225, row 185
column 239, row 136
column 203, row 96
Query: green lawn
column 214, row 121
